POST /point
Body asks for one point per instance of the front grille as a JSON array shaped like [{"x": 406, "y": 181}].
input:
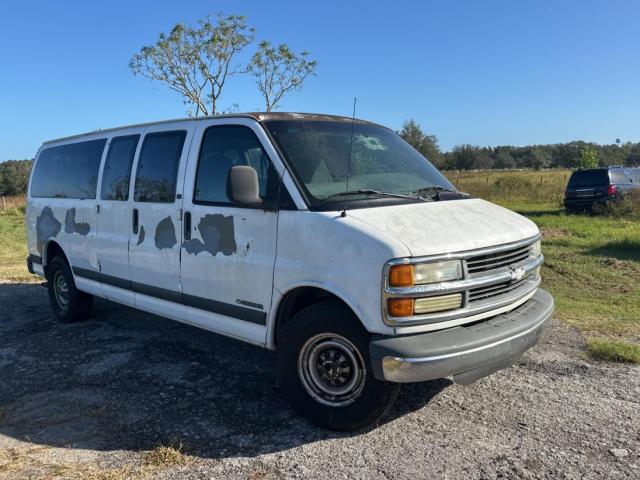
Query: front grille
[
  {"x": 496, "y": 289},
  {"x": 493, "y": 261}
]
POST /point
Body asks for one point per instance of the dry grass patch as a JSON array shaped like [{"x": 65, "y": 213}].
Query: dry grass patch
[{"x": 166, "y": 456}]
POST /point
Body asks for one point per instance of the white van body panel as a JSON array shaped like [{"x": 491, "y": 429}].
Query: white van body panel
[
  {"x": 436, "y": 228},
  {"x": 70, "y": 222},
  {"x": 154, "y": 252},
  {"x": 342, "y": 255},
  {"x": 232, "y": 280},
  {"x": 114, "y": 230}
]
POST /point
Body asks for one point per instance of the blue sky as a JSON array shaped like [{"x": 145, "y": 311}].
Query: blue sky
[{"x": 480, "y": 72}]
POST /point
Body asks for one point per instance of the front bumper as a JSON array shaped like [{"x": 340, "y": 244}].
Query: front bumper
[{"x": 465, "y": 353}]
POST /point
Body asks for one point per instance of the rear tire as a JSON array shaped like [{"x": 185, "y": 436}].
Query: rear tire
[
  {"x": 325, "y": 372},
  {"x": 68, "y": 303}
]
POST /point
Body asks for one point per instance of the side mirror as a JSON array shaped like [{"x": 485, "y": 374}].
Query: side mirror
[{"x": 243, "y": 185}]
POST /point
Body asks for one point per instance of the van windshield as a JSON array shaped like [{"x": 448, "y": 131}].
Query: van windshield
[{"x": 318, "y": 154}]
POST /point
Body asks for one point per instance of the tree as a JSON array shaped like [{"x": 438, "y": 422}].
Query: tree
[
  {"x": 463, "y": 157},
  {"x": 537, "y": 158},
  {"x": 427, "y": 145},
  {"x": 279, "y": 71},
  {"x": 196, "y": 61},
  {"x": 588, "y": 157},
  {"x": 504, "y": 159},
  {"x": 14, "y": 177}
]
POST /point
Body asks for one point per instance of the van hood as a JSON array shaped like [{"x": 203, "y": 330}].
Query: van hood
[{"x": 434, "y": 228}]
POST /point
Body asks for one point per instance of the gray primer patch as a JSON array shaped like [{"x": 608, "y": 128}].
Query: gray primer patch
[
  {"x": 141, "y": 235},
  {"x": 165, "y": 234},
  {"x": 70, "y": 225},
  {"x": 218, "y": 236},
  {"x": 46, "y": 227}
]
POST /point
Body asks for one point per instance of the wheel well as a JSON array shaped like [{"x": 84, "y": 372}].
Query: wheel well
[
  {"x": 53, "y": 250},
  {"x": 297, "y": 300}
]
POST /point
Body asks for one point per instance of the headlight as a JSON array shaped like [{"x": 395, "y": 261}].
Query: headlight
[
  {"x": 422, "y": 273},
  {"x": 536, "y": 248}
]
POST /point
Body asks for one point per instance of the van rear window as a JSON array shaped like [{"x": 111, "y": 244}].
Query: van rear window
[
  {"x": 589, "y": 178},
  {"x": 68, "y": 171}
]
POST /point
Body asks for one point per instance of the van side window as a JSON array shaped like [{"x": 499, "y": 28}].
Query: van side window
[
  {"x": 68, "y": 171},
  {"x": 158, "y": 167},
  {"x": 117, "y": 168},
  {"x": 223, "y": 147}
]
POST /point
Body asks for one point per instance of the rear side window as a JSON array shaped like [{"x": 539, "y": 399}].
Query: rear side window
[
  {"x": 589, "y": 178},
  {"x": 158, "y": 167},
  {"x": 621, "y": 177},
  {"x": 68, "y": 171},
  {"x": 223, "y": 147},
  {"x": 117, "y": 168}
]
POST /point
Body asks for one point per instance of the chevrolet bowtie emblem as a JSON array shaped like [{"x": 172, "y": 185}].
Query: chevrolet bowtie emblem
[{"x": 517, "y": 273}]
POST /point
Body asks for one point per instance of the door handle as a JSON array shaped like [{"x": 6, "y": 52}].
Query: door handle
[
  {"x": 134, "y": 220},
  {"x": 187, "y": 225}
]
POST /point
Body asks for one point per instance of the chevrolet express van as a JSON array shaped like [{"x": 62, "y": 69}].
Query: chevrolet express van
[{"x": 328, "y": 240}]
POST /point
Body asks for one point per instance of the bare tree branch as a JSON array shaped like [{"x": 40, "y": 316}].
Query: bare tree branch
[
  {"x": 279, "y": 71},
  {"x": 196, "y": 61}
]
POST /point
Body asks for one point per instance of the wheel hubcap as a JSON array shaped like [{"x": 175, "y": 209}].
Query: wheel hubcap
[
  {"x": 61, "y": 290},
  {"x": 331, "y": 369}
]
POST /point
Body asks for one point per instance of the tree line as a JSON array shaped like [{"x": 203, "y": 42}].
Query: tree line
[{"x": 576, "y": 154}]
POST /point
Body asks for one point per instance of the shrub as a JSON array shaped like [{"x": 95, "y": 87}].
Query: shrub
[{"x": 627, "y": 207}]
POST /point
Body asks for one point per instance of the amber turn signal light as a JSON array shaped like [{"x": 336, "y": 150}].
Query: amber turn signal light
[
  {"x": 401, "y": 276},
  {"x": 400, "y": 307}
]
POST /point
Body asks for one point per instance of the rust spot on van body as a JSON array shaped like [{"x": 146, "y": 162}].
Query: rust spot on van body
[
  {"x": 165, "y": 234},
  {"x": 71, "y": 226},
  {"x": 218, "y": 236},
  {"x": 46, "y": 227}
]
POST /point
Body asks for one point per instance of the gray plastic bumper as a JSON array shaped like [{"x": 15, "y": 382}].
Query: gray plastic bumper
[{"x": 465, "y": 353}]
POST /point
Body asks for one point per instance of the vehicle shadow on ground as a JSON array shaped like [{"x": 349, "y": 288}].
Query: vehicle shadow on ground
[
  {"x": 621, "y": 250},
  {"x": 126, "y": 380}
]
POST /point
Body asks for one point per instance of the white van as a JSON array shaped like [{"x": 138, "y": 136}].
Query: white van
[{"x": 330, "y": 241}]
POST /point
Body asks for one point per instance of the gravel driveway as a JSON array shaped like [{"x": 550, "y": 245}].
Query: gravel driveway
[{"x": 94, "y": 397}]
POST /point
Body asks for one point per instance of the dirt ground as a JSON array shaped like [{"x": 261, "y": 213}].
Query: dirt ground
[{"x": 97, "y": 399}]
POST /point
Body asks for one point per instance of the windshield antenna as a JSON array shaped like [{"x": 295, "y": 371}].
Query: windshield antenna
[{"x": 353, "y": 122}]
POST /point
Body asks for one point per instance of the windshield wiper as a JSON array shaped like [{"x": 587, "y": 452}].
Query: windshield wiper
[
  {"x": 370, "y": 192},
  {"x": 432, "y": 191}
]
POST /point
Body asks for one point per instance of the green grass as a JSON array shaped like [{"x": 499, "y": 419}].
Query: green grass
[
  {"x": 613, "y": 350},
  {"x": 13, "y": 247}
]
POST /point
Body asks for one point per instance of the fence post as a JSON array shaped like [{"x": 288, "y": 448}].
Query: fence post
[{"x": 3, "y": 204}]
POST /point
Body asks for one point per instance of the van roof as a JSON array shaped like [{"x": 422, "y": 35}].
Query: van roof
[{"x": 258, "y": 116}]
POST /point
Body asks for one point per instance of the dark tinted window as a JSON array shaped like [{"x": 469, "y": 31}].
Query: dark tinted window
[
  {"x": 620, "y": 177},
  {"x": 117, "y": 168},
  {"x": 68, "y": 171},
  {"x": 636, "y": 175},
  {"x": 158, "y": 167},
  {"x": 589, "y": 178},
  {"x": 226, "y": 146}
]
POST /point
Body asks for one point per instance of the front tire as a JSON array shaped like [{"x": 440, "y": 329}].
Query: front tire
[
  {"x": 68, "y": 303},
  {"x": 325, "y": 371}
]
